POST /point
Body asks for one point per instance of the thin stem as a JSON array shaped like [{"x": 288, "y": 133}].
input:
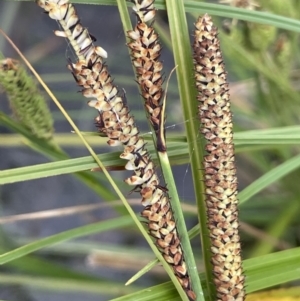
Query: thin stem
[{"x": 183, "y": 58}]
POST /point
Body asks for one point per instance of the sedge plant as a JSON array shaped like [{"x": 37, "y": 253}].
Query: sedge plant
[{"x": 212, "y": 162}]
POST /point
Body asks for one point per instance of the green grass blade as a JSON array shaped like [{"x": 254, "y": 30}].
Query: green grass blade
[
  {"x": 181, "y": 226},
  {"x": 183, "y": 59},
  {"x": 52, "y": 151},
  {"x": 67, "y": 285},
  {"x": 291, "y": 130},
  {"x": 178, "y": 155},
  {"x": 219, "y": 10},
  {"x": 277, "y": 228},
  {"x": 43, "y": 145},
  {"x": 124, "y": 15},
  {"x": 184, "y": 72},
  {"x": 243, "y": 14},
  {"x": 268, "y": 178},
  {"x": 261, "y": 273},
  {"x": 41, "y": 267},
  {"x": 55, "y": 168},
  {"x": 66, "y": 235},
  {"x": 162, "y": 292},
  {"x": 273, "y": 269}
]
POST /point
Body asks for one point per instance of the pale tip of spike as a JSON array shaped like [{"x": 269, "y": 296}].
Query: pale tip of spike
[
  {"x": 41, "y": 3},
  {"x": 101, "y": 52},
  {"x": 134, "y": 180},
  {"x": 127, "y": 156},
  {"x": 132, "y": 34},
  {"x": 149, "y": 15},
  {"x": 93, "y": 103},
  {"x": 60, "y": 33},
  {"x": 114, "y": 143},
  {"x": 130, "y": 166},
  {"x": 145, "y": 202}
]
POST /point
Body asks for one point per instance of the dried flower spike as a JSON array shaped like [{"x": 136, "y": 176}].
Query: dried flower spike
[
  {"x": 118, "y": 125},
  {"x": 219, "y": 163},
  {"x": 26, "y": 101}
]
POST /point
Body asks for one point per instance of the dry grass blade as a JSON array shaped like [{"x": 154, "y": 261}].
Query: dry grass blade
[{"x": 219, "y": 163}]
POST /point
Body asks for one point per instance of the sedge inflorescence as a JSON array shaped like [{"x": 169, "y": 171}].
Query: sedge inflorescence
[
  {"x": 145, "y": 51},
  {"x": 219, "y": 163},
  {"x": 26, "y": 101},
  {"x": 115, "y": 122}
]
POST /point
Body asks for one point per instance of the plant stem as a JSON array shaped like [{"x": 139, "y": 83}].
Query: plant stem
[{"x": 183, "y": 58}]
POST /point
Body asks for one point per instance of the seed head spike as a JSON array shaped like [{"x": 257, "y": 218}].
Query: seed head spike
[{"x": 219, "y": 166}]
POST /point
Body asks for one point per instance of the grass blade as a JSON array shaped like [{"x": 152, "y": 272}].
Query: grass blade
[
  {"x": 183, "y": 59},
  {"x": 261, "y": 272},
  {"x": 268, "y": 178},
  {"x": 66, "y": 235}
]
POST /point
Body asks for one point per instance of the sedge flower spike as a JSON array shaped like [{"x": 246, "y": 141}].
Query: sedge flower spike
[
  {"x": 219, "y": 163},
  {"x": 145, "y": 51},
  {"x": 26, "y": 101},
  {"x": 115, "y": 122}
]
